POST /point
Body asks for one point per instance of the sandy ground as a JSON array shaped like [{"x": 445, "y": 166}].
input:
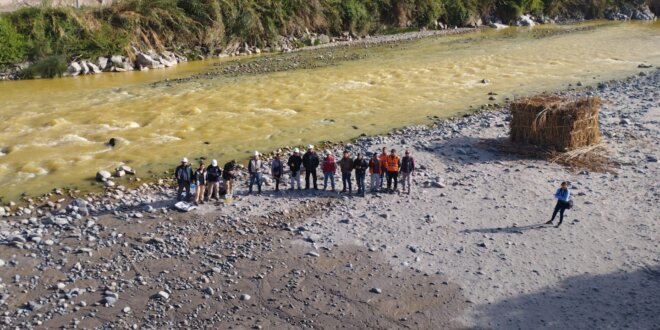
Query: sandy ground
[{"x": 473, "y": 254}]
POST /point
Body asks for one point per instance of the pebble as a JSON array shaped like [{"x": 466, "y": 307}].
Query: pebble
[
  {"x": 245, "y": 297},
  {"x": 376, "y": 290},
  {"x": 162, "y": 295}
]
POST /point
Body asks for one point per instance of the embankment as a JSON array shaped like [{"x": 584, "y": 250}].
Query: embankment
[{"x": 146, "y": 34}]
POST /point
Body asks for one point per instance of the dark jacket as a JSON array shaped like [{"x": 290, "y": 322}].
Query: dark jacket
[
  {"x": 213, "y": 173},
  {"x": 228, "y": 173},
  {"x": 311, "y": 160},
  {"x": 360, "y": 165},
  {"x": 200, "y": 177},
  {"x": 346, "y": 164},
  {"x": 407, "y": 164},
  {"x": 375, "y": 167},
  {"x": 277, "y": 168},
  {"x": 183, "y": 173},
  {"x": 294, "y": 163}
]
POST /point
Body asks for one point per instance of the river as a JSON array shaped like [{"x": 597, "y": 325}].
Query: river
[{"x": 54, "y": 132}]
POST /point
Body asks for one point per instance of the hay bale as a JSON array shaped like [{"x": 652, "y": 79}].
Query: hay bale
[{"x": 555, "y": 122}]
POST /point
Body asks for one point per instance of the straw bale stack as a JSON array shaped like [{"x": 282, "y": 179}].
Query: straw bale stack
[{"x": 555, "y": 122}]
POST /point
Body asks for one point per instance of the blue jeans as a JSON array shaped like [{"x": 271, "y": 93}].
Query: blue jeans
[
  {"x": 359, "y": 177},
  {"x": 255, "y": 178},
  {"x": 346, "y": 181},
  {"x": 328, "y": 176}
]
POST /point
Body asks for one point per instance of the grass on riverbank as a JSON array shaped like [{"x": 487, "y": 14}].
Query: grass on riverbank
[{"x": 203, "y": 26}]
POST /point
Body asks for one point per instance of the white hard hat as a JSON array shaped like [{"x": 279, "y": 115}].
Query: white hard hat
[
  {"x": 296, "y": 150},
  {"x": 214, "y": 162},
  {"x": 184, "y": 160},
  {"x": 328, "y": 152},
  {"x": 256, "y": 153},
  {"x": 310, "y": 146}
]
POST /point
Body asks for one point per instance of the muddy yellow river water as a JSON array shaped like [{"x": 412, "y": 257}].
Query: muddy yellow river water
[{"x": 53, "y": 132}]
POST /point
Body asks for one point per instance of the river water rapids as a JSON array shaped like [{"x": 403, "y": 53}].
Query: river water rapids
[{"x": 53, "y": 133}]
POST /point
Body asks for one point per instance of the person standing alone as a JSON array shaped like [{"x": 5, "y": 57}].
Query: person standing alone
[
  {"x": 393, "y": 163},
  {"x": 563, "y": 197},
  {"x": 407, "y": 171},
  {"x": 311, "y": 162},
  {"x": 184, "y": 175}
]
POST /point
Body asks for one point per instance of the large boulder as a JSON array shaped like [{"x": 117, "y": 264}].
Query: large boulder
[
  {"x": 117, "y": 60},
  {"x": 525, "y": 20},
  {"x": 93, "y": 69},
  {"x": 103, "y": 63},
  {"x": 643, "y": 13},
  {"x": 74, "y": 69},
  {"x": 498, "y": 25},
  {"x": 323, "y": 39},
  {"x": 147, "y": 61},
  {"x": 127, "y": 65},
  {"x": 85, "y": 68},
  {"x": 103, "y": 176}
]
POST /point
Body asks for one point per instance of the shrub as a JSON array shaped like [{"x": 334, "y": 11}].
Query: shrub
[
  {"x": 355, "y": 17},
  {"x": 49, "y": 67},
  {"x": 457, "y": 13},
  {"x": 12, "y": 44},
  {"x": 427, "y": 12}
]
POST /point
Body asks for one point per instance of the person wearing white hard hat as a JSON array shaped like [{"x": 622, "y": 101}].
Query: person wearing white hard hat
[
  {"x": 213, "y": 175},
  {"x": 200, "y": 181},
  {"x": 294, "y": 163},
  {"x": 255, "y": 169},
  {"x": 311, "y": 162},
  {"x": 184, "y": 176}
]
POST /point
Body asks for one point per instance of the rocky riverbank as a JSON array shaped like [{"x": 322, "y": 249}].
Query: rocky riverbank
[
  {"x": 466, "y": 249},
  {"x": 149, "y": 59}
]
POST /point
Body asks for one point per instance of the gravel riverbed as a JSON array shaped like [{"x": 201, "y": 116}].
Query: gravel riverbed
[{"x": 466, "y": 250}]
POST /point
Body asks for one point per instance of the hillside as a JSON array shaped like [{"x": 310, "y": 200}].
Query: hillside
[{"x": 48, "y": 38}]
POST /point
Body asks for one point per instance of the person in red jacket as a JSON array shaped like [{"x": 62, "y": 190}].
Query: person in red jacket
[
  {"x": 329, "y": 168},
  {"x": 376, "y": 171}
]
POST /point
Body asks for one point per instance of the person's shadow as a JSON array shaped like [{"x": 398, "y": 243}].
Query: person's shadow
[{"x": 507, "y": 230}]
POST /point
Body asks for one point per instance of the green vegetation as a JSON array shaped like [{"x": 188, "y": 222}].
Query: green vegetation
[
  {"x": 48, "y": 67},
  {"x": 12, "y": 45},
  {"x": 42, "y": 34}
]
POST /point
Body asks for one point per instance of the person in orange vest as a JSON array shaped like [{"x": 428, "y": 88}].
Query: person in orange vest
[
  {"x": 383, "y": 164},
  {"x": 392, "y": 163}
]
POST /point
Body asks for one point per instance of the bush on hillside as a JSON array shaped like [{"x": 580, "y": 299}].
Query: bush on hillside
[
  {"x": 49, "y": 67},
  {"x": 12, "y": 44}
]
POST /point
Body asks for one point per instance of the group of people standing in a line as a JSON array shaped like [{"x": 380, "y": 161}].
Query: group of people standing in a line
[{"x": 381, "y": 167}]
